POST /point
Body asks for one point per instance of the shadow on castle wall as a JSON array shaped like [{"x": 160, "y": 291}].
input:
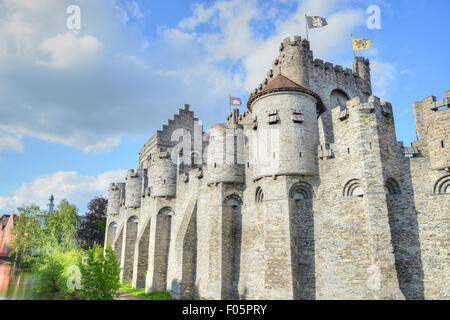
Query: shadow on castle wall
[
  {"x": 405, "y": 240},
  {"x": 303, "y": 249}
]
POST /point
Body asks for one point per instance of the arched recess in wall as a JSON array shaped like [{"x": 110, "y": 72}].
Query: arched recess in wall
[
  {"x": 112, "y": 230},
  {"x": 335, "y": 97},
  {"x": 142, "y": 248},
  {"x": 442, "y": 185},
  {"x": 118, "y": 243},
  {"x": 338, "y": 98},
  {"x": 301, "y": 195},
  {"x": 130, "y": 243},
  {"x": 259, "y": 195},
  {"x": 189, "y": 258},
  {"x": 162, "y": 245},
  {"x": 392, "y": 187},
  {"x": 231, "y": 246},
  {"x": 353, "y": 189}
]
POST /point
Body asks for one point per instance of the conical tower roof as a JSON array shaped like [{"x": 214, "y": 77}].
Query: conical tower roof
[{"x": 282, "y": 83}]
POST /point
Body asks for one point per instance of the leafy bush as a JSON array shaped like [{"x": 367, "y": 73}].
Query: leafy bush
[
  {"x": 28, "y": 261},
  {"x": 100, "y": 274},
  {"x": 50, "y": 271},
  {"x": 12, "y": 255}
]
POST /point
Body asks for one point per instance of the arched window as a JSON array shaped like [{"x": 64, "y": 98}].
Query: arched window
[
  {"x": 259, "y": 196},
  {"x": 166, "y": 211},
  {"x": 353, "y": 189},
  {"x": 392, "y": 187},
  {"x": 301, "y": 191},
  {"x": 133, "y": 219},
  {"x": 442, "y": 186},
  {"x": 232, "y": 200}
]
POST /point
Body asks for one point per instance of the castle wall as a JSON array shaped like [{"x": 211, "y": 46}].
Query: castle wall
[
  {"x": 342, "y": 214},
  {"x": 430, "y": 211}
]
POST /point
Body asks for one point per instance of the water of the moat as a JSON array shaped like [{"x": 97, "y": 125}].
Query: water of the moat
[{"x": 16, "y": 284}]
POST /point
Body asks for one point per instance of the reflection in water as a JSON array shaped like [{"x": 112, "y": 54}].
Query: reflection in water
[{"x": 16, "y": 284}]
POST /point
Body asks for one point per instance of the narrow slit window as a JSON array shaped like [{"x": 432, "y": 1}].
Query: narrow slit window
[
  {"x": 442, "y": 144},
  {"x": 348, "y": 150}
]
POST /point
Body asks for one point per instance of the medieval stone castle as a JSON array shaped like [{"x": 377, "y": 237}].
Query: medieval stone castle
[{"x": 306, "y": 195}]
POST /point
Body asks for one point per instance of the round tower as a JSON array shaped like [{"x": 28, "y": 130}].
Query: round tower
[
  {"x": 285, "y": 134},
  {"x": 361, "y": 66},
  {"x": 115, "y": 194},
  {"x": 163, "y": 176},
  {"x": 225, "y": 158},
  {"x": 295, "y": 60},
  {"x": 133, "y": 189}
]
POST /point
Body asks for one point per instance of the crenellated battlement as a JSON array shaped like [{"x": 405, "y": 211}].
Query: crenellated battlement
[
  {"x": 432, "y": 119},
  {"x": 374, "y": 105},
  {"x": 296, "y": 62}
]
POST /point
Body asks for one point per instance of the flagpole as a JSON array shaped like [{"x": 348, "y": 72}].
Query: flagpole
[
  {"x": 306, "y": 25},
  {"x": 354, "y": 53}
]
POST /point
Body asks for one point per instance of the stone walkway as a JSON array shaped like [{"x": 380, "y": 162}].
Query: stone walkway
[{"x": 128, "y": 296}]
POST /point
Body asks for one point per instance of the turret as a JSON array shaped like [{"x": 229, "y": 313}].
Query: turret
[
  {"x": 133, "y": 188},
  {"x": 226, "y": 153},
  {"x": 285, "y": 130},
  {"x": 433, "y": 129},
  {"x": 116, "y": 192},
  {"x": 163, "y": 175},
  {"x": 361, "y": 66},
  {"x": 295, "y": 60}
]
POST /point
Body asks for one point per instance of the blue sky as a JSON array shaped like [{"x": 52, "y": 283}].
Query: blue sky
[{"x": 77, "y": 106}]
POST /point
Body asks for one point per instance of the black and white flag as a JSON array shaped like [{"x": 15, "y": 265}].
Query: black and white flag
[{"x": 316, "y": 22}]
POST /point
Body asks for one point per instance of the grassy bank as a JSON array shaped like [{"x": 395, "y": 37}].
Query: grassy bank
[{"x": 142, "y": 294}]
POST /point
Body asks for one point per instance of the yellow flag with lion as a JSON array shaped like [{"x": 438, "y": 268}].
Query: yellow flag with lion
[{"x": 361, "y": 44}]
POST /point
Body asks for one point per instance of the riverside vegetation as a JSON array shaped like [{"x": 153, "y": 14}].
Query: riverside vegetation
[{"x": 60, "y": 257}]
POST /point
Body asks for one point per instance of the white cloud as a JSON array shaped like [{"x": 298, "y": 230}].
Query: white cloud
[
  {"x": 384, "y": 78},
  {"x": 70, "y": 185},
  {"x": 405, "y": 72},
  {"x": 67, "y": 50},
  {"x": 11, "y": 142},
  {"x": 86, "y": 90}
]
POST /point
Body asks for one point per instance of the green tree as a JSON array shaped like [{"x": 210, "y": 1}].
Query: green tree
[
  {"x": 61, "y": 227},
  {"x": 50, "y": 271},
  {"x": 27, "y": 231},
  {"x": 57, "y": 247},
  {"x": 100, "y": 274},
  {"x": 92, "y": 230}
]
